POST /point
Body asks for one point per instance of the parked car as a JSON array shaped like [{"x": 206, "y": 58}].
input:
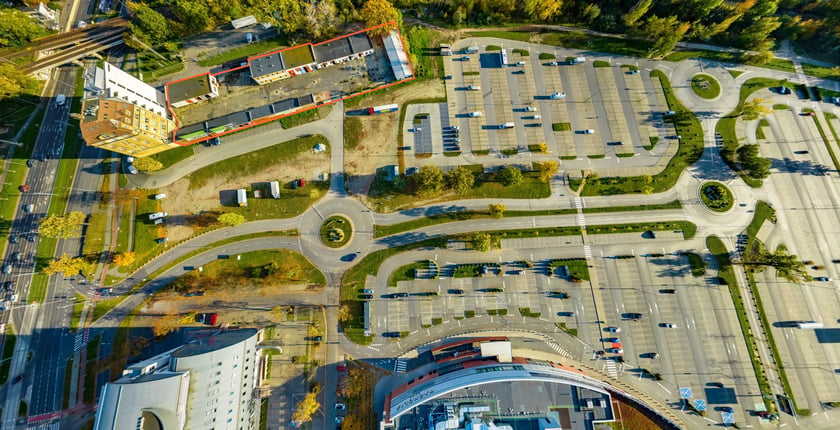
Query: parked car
[
  {"x": 456, "y": 291},
  {"x": 367, "y": 291},
  {"x": 465, "y": 58},
  {"x": 634, "y": 72},
  {"x": 633, "y": 316},
  {"x": 367, "y": 296},
  {"x": 667, "y": 325},
  {"x": 614, "y": 350},
  {"x": 651, "y": 355},
  {"x": 589, "y": 131},
  {"x": 822, "y": 279},
  {"x": 612, "y": 340},
  {"x": 612, "y": 329}
]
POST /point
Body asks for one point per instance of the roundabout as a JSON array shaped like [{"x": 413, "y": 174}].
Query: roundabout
[
  {"x": 705, "y": 86},
  {"x": 716, "y": 196},
  {"x": 336, "y": 232}
]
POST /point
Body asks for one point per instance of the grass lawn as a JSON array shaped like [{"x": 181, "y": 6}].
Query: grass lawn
[
  {"x": 561, "y": 126},
  {"x": 354, "y": 132},
  {"x": 547, "y": 56},
  {"x": 10, "y": 193},
  {"x": 264, "y": 268},
  {"x": 152, "y": 67},
  {"x": 172, "y": 156},
  {"x": 8, "y": 351},
  {"x": 716, "y": 196},
  {"x": 336, "y": 231},
  {"x": 406, "y": 273},
  {"x": 493, "y": 48},
  {"x": 243, "y": 51},
  {"x": 687, "y": 228},
  {"x": 696, "y": 263},
  {"x": 575, "y": 39},
  {"x": 304, "y": 117},
  {"x": 821, "y": 72},
  {"x": 705, "y": 86},
  {"x": 729, "y": 57},
  {"x": 78, "y": 305},
  {"x": 827, "y": 143},
  {"x": 601, "y": 63},
  {"x": 522, "y": 52},
  {"x": 726, "y": 126},
  {"x": 15, "y": 111},
  {"x": 734, "y": 73},
  {"x": 578, "y": 268},
  {"x": 257, "y": 160},
  {"x": 690, "y": 150}
]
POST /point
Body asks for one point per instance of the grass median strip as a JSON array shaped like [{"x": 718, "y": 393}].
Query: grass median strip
[
  {"x": 389, "y": 229},
  {"x": 826, "y": 141}
]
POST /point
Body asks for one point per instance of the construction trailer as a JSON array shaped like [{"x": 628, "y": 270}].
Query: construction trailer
[{"x": 242, "y": 197}]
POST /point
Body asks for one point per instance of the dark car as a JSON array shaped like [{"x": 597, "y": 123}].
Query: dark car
[
  {"x": 366, "y": 296},
  {"x": 633, "y": 316},
  {"x": 400, "y": 294},
  {"x": 800, "y": 152},
  {"x": 18, "y": 378},
  {"x": 14, "y": 239},
  {"x": 316, "y": 338},
  {"x": 350, "y": 257},
  {"x": 8, "y": 285},
  {"x": 29, "y": 163},
  {"x": 456, "y": 291}
]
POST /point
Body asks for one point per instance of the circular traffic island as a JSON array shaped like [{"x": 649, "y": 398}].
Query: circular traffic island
[
  {"x": 716, "y": 196},
  {"x": 336, "y": 231},
  {"x": 705, "y": 86}
]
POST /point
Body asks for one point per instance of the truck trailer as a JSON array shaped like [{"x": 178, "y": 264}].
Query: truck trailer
[
  {"x": 275, "y": 189},
  {"x": 383, "y": 109},
  {"x": 242, "y": 197}
]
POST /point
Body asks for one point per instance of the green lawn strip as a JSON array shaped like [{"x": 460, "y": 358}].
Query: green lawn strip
[
  {"x": 522, "y": 52},
  {"x": 387, "y": 230},
  {"x": 68, "y": 376},
  {"x": 759, "y": 131},
  {"x": 103, "y": 306},
  {"x": 172, "y": 156},
  {"x": 705, "y": 86},
  {"x": 780, "y": 106},
  {"x": 763, "y": 211},
  {"x": 561, "y": 126},
  {"x": 821, "y": 72},
  {"x": 145, "y": 232},
  {"x": 725, "y": 272},
  {"x": 89, "y": 393},
  {"x": 151, "y": 67},
  {"x": 94, "y": 241},
  {"x": 493, "y": 48},
  {"x": 689, "y": 151},
  {"x": 828, "y": 117},
  {"x": 8, "y": 352},
  {"x": 78, "y": 305},
  {"x": 698, "y": 266},
  {"x": 687, "y": 228},
  {"x": 726, "y": 126},
  {"x": 735, "y": 73},
  {"x": 578, "y": 267},
  {"x": 653, "y": 141},
  {"x": 243, "y": 51},
  {"x": 526, "y": 312},
  {"x": 304, "y": 117},
  {"x": 547, "y": 56},
  {"x": 124, "y": 241},
  {"x": 729, "y": 57},
  {"x": 827, "y": 142},
  {"x": 15, "y": 111},
  {"x": 601, "y": 63},
  {"x": 353, "y": 132},
  {"x": 406, "y": 273}
]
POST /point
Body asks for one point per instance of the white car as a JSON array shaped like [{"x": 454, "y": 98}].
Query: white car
[
  {"x": 160, "y": 196},
  {"x": 530, "y": 109},
  {"x": 556, "y": 96},
  {"x": 613, "y": 329},
  {"x": 589, "y": 131},
  {"x": 474, "y": 114},
  {"x": 340, "y": 406}
]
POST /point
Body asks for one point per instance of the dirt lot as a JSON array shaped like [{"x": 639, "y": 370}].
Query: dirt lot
[
  {"x": 379, "y": 147},
  {"x": 183, "y": 200}
]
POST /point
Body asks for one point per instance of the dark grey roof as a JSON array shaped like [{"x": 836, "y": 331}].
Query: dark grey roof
[
  {"x": 189, "y": 88},
  {"x": 360, "y": 42},
  {"x": 284, "y": 105},
  {"x": 332, "y": 50},
  {"x": 183, "y": 131},
  {"x": 266, "y": 64}
]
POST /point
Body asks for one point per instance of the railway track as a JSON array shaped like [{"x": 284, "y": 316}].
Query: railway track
[
  {"x": 100, "y": 31},
  {"x": 78, "y": 51}
]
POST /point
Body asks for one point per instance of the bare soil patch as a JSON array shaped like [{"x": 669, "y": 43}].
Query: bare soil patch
[{"x": 379, "y": 146}]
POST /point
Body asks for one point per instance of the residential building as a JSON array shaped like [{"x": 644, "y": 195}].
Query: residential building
[
  {"x": 209, "y": 383},
  {"x": 111, "y": 82},
  {"x": 192, "y": 90}
]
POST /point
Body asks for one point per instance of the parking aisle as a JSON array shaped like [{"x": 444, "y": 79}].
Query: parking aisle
[
  {"x": 579, "y": 99},
  {"x": 558, "y": 112},
  {"x": 638, "y": 97},
  {"x": 614, "y": 110},
  {"x": 529, "y": 131},
  {"x": 474, "y": 102},
  {"x": 499, "y": 109}
]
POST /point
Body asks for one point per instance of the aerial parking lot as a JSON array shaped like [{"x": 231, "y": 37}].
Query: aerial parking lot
[{"x": 590, "y": 110}]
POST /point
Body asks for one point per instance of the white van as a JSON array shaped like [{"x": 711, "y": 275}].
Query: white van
[{"x": 520, "y": 63}]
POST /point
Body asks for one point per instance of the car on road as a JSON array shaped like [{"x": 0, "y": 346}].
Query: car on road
[
  {"x": 7, "y": 269},
  {"x": 24, "y": 188},
  {"x": 350, "y": 257},
  {"x": 784, "y": 90},
  {"x": 133, "y": 170},
  {"x": 667, "y": 325},
  {"x": 612, "y": 329},
  {"x": 340, "y": 406},
  {"x": 14, "y": 238},
  {"x": 8, "y": 285},
  {"x": 614, "y": 350},
  {"x": 589, "y": 131},
  {"x": 822, "y": 279},
  {"x": 650, "y": 355},
  {"x": 456, "y": 291},
  {"x": 29, "y": 208},
  {"x": 160, "y": 196},
  {"x": 30, "y": 163},
  {"x": 15, "y": 256},
  {"x": 633, "y": 316},
  {"x": 565, "y": 314},
  {"x": 668, "y": 291},
  {"x": 800, "y": 152},
  {"x": 367, "y": 291},
  {"x": 18, "y": 378},
  {"x": 634, "y": 72}
]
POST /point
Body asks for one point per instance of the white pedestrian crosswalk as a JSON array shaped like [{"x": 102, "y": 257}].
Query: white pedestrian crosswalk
[
  {"x": 587, "y": 251},
  {"x": 611, "y": 368},
  {"x": 558, "y": 349},
  {"x": 79, "y": 341},
  {"x": 578, "y": 203},
  {"x": 400, "y": 365}
]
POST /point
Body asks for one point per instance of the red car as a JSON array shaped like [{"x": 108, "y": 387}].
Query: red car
[{"x": 24, "y": 188}]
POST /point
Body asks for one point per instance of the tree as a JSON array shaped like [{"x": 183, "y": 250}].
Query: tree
[
  {"x": 376, "y": 12},
  {"x": 429, "y": 181},
  {"x": 61, "y": 226},
  {"x": 548, "y": 169},
  {"x": 636, "y": 12},
  {"x": 753, "y": 163},
  {"x": 344, "y": 313},
  {"x": 231, "y": 219},
  {"x": 756, "y": 36},
  {"x": 757, "y": 57},
  {"x": 290, "y": 15},
  {"x": 542, "y": 10},
  {"x": 13, "y": 81},
  {"x": 590, "y": 13},
  {"x": 149, "y": 25},
  {"x": 481, "y": 242},
  {"x": 321, "y": 19},
  {"x": 509, "y": 175},
  {"x": 755, "y": 109},
  {"x": 147, "y": 164},
  {"x": 306, "y": 408},
  {"x": 665, "y": 33},
  {"x": 123, "y": 259},
  {"x": 193, "y": 15},
  {"x": 497, "y": 210},
  {"x": 66, "y": 265},
  {"x": 17, "y": 28},
  {"x": 461, "y": 179}
]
